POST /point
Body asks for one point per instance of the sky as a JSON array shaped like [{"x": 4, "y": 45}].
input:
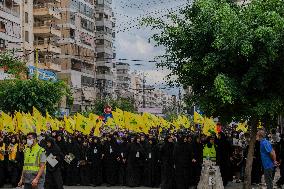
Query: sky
[{"x": 133, "y": 42}]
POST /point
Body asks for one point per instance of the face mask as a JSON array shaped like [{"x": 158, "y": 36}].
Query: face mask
[{"x": 30, "y": 142}]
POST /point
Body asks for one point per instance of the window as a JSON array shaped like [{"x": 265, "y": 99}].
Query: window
[
  {"x": 72, "y": 33},
  {"x": 2, "y": 43},
  {"x": 87, "y": 80},
  {"x": 2, "y": 27},
  {"x": 100, "y": 28},
  {"x": 26, "y": 36},
  {"x": 100, "y": 2},
  {"x": 72, "y": 17},
  {"x": 26, "y": 17}
]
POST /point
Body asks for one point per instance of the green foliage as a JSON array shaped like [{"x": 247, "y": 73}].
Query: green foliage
[
  {"x": 23, "y": 95},
  {"x": 12, "y": 65},
  {"x": 232, "y": 56},
  {"x": 125, "y": 104}
]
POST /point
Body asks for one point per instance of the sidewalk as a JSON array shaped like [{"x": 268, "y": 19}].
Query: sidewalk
[{"x": 261, "y": 186}]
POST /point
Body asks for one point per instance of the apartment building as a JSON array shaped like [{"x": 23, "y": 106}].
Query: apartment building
[
  {"x": 78, "y": 50},
  {"x": 147, "y": 96},
  {"x": 123, "y": 80},
  {"x": 105, "y": 35},
  {"x": 10, "y": 26}
]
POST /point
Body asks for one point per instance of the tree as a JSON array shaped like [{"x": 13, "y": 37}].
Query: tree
[
  {"x": 23, "y": 95},
  {"x": 125, "y": 104},
  {"x": 12, "y": 65},
  {"x": 232, "y": 58}
]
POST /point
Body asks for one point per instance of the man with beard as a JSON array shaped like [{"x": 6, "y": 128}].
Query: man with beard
[
  {"x": 95, "y": 155},
  {"x": 111, "y": 158},
  {"x": 53, "y": 178},
  {"x": 135, "y": 159},
  {"x": 167, "y": 160},
  {"x": 182, "y": 162}
]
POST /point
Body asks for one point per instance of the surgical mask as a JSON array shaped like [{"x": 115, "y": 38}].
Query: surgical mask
[{"x": 30, "y": 142}]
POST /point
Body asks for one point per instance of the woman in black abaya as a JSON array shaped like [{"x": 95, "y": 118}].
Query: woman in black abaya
[
  {"x": 167, "y": 161},
  {"x": 182, "y": 162},
  {"x": 135, "y": 159}
]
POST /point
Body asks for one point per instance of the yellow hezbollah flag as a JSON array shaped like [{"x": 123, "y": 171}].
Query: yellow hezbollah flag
[
  {"x": 51, "y": 122},
  {"x": 27, "y": 123},
  {"x": 99, "y": 124},
  {"x": 198, "y": 118},
  {"x": 8, "y": 123},
  {"x": 242, "y": 127}
]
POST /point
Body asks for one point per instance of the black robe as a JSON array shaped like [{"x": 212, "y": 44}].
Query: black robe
[
  {"x": 152, "y": 170},
  {"x": 53, "y": 178},
  {"x": 95, "y": 157},
  {"x": 182, "y": 160},
  {"x": 135, "y": 164},
  {"x": 123, "y": 151},
  {"x": 197, "y": 166},
  {"x": 110, "y": 162},
  {"x": 72, "y": 171},
  {"x": 167, "y": 167},
  {"x": 224, "y": 153},
  {"x": 84, "y": 166}
]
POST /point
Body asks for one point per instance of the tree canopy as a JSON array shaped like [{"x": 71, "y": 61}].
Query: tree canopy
[
  {"x": 231, "y": 56},
  {"x": 125, "y": 104},
  {"x": 23, "y": 95}
]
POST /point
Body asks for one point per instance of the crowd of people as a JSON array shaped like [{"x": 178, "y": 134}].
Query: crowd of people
[{"x": 170, "y": 160}]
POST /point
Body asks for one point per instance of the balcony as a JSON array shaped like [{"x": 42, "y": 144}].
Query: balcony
[
  {"x": 50, "y": 64},
  {"x": 44, "y": 46},
  {"x": 46, "y": 30},
  {"x": 46, "y": 12},
  {"x": 53, "y": 66},
  {"x": 106, "y": 76}
]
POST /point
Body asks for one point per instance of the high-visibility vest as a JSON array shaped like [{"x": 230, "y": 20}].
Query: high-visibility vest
[
  {"x": 32, "y": 158},
  {"x": 2, "y": 152},
  {"x": 209, "y": 152},
  {"x": 13, "y": 152}
]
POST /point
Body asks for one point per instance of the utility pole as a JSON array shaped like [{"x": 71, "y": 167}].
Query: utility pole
[
  {"x": 36, "y": 63},
  {"x": 143, "y": 91}
]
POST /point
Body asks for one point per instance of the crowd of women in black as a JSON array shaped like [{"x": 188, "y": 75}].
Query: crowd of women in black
[{"x": 169, "y": 161}]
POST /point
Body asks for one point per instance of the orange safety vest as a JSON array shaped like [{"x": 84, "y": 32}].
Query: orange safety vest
[
  {"x": 13, "y": 152},
  {"x": 2, "y": 152}
]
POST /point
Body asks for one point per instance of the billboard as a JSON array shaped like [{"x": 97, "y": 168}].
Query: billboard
[{"x": 42, "y": 74}]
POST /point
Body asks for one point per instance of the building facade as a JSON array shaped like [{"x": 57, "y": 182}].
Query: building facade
[
  {"x": 105, "y": 35},
  {"x": 10, "y": 26},
  {"x": 123, "y": 80},
  {"x": 78, "y": 50}
]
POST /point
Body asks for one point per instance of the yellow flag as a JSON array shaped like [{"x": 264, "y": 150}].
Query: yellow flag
[
  {"x": 99, "y": 124},
  {"x": 68, "y": 125},
  {"x": 8, "y": 123},
  {"x": 27, "y": 123},
  {"x": 209, "y": 126},
  {"x": 118, "y": 117},
  {"x": 39, "y": 121},
  {"x": 51, "y": 122},
  {"x": 198, "y": 118},
  {"x": 242, "y": 127}
]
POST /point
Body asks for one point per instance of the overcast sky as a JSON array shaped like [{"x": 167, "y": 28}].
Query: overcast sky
[{"x": 132, "y": 42}]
